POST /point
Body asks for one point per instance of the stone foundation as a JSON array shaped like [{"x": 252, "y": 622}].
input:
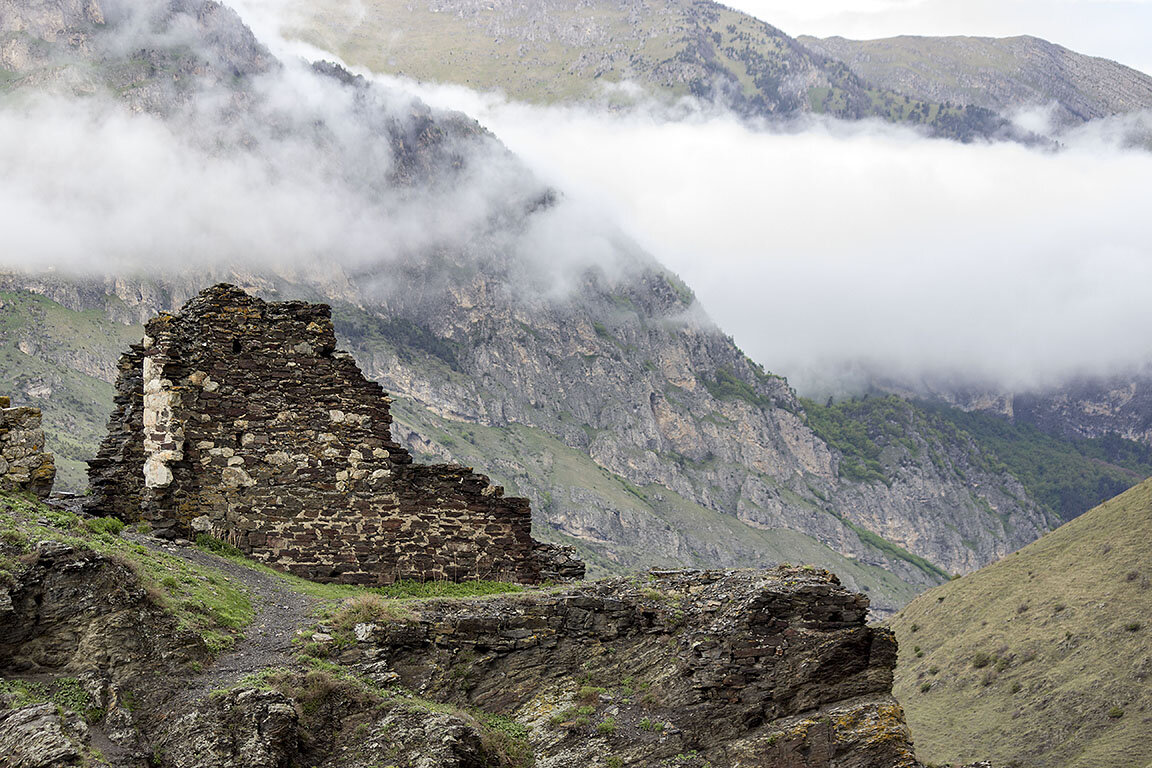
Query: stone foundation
[
  {"x": 238, "y": 418},
  {"x": 23, "y": 464}
]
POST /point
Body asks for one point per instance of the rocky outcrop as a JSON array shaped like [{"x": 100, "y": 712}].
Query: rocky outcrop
[
  {"x": 40, "y": 736},
  {"x": 24, "y": 466},
  {"x": 683, "y": 669},
  {"x": 78, "y": 613},
  {"x": 239, "y": 419},
  {"x": 734, "y": 668}
]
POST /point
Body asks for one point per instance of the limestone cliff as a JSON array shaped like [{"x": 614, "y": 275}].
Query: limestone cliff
[{"x": 675, "y": 448}]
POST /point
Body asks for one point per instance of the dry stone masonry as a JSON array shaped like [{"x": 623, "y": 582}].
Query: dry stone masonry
[
  {"x": 239, "y": 418},
  {"x": 24, "y": 466}
]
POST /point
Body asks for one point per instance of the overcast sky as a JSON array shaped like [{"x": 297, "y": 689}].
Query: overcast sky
[{"x": 1115, "y": 29}]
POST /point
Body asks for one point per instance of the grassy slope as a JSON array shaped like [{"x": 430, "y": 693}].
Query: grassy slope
[
  {"x": 1042, "y": 659},
  {"x": 558, "y": 51},
  {"x": 46, "y": 376},
  {"x": 206, "y": 602},
  {"x": 997, "y": 73}
]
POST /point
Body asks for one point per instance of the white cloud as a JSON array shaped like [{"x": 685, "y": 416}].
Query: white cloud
[{"x": 835, "y": 243}]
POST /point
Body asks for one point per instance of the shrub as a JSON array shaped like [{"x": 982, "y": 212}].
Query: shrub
[
  {"x": 925, "y": 687},
  {"x": 1132, "y": 626},
  {"x": 647, "y": 724},
  {"x": 606, "y": 726},
  {"x": 216, "y": 546},
  {"x": 981, "y": 660},
  {"x": 365, "y": 609},
  {"x": 590, "y": 693},
  {"x": 1116, "y": 713},
  {"x": 109, "y": 525}
]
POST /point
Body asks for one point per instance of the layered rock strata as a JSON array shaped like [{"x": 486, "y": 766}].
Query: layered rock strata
[
  {"x": 733, "y": 668},
  {"x": 678, "y": 669},
  {"x": 239, "y": 418},
  {"x": 24, "y": 466}
]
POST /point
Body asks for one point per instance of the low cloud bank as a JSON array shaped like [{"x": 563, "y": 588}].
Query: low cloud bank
[
  {"x": 831, "y": 249},
  {"x": 822, "y": 246}
]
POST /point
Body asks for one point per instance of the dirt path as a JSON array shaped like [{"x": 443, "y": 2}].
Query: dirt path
[{"x": 267, "y": 642}]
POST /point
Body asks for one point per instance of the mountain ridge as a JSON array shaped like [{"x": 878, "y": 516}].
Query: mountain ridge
[{"x": 1001, "y": 74}]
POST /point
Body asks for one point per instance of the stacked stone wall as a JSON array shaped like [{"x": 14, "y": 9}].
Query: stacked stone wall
[
  {"x": 24, "y": 466},
  {"x": 238, "y": 418}
]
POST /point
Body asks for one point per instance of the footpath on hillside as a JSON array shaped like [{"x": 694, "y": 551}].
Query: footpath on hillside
[{"x": 280, "y": 612}]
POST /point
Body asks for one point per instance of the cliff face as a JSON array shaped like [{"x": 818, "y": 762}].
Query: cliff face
[
  {"x": 1092, "y": 407},
  {"x": 603, "y": 357},
  {"x": 633, "y": 374},
  {"x": 684, "y": 669}
]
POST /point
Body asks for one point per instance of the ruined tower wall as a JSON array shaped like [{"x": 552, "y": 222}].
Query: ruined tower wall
[
  {"x": 251, "y": 427},
  {"x": 24, "y": 466}
]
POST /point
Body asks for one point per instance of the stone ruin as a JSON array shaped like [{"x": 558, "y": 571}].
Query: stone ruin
[
  {"x": 23, "y": 464},
  {"x": 239, "y": 418}
]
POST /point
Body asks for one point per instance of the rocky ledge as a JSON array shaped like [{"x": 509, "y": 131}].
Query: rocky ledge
[
  {"x": 684, "y": 669},
  {"x": 715, "y": 668}
]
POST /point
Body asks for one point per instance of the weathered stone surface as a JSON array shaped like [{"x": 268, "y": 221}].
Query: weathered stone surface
[
  {"x": 245, "y": 727},
  {"x": 40, "y": 737},
  {"x": 74, "y": 612},
  {"x": 738, "y": 668},
  {"x": 239, "y": 418},
  {"x": 24, "y": 466}
]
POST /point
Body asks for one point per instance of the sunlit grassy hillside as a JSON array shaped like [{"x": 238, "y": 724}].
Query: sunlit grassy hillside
[{"x": 1044, "y": 658}]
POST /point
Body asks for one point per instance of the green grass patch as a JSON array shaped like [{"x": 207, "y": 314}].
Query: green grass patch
[
  {"x": 207, "y": 602},
  {"x": 64, "y": 692}
]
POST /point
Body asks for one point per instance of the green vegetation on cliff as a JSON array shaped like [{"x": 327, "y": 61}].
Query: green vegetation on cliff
[
  {"x": 1041, "y": 660},
  {"x": 1069, "y": 476},
  {"x": 207, "y": 602}
]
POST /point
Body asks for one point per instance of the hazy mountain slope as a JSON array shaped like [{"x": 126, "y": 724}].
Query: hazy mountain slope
[
  {"x": 1091, "y": 407},
  {"x": 1001, "y": 74},
  {"x": 632, "y": 375},
  {"x": 61, "y": 362},
  {"x": 483, "y": 301},
  {"x": 1042, "y": 659},
  {"x": 580, "y": 49}
]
